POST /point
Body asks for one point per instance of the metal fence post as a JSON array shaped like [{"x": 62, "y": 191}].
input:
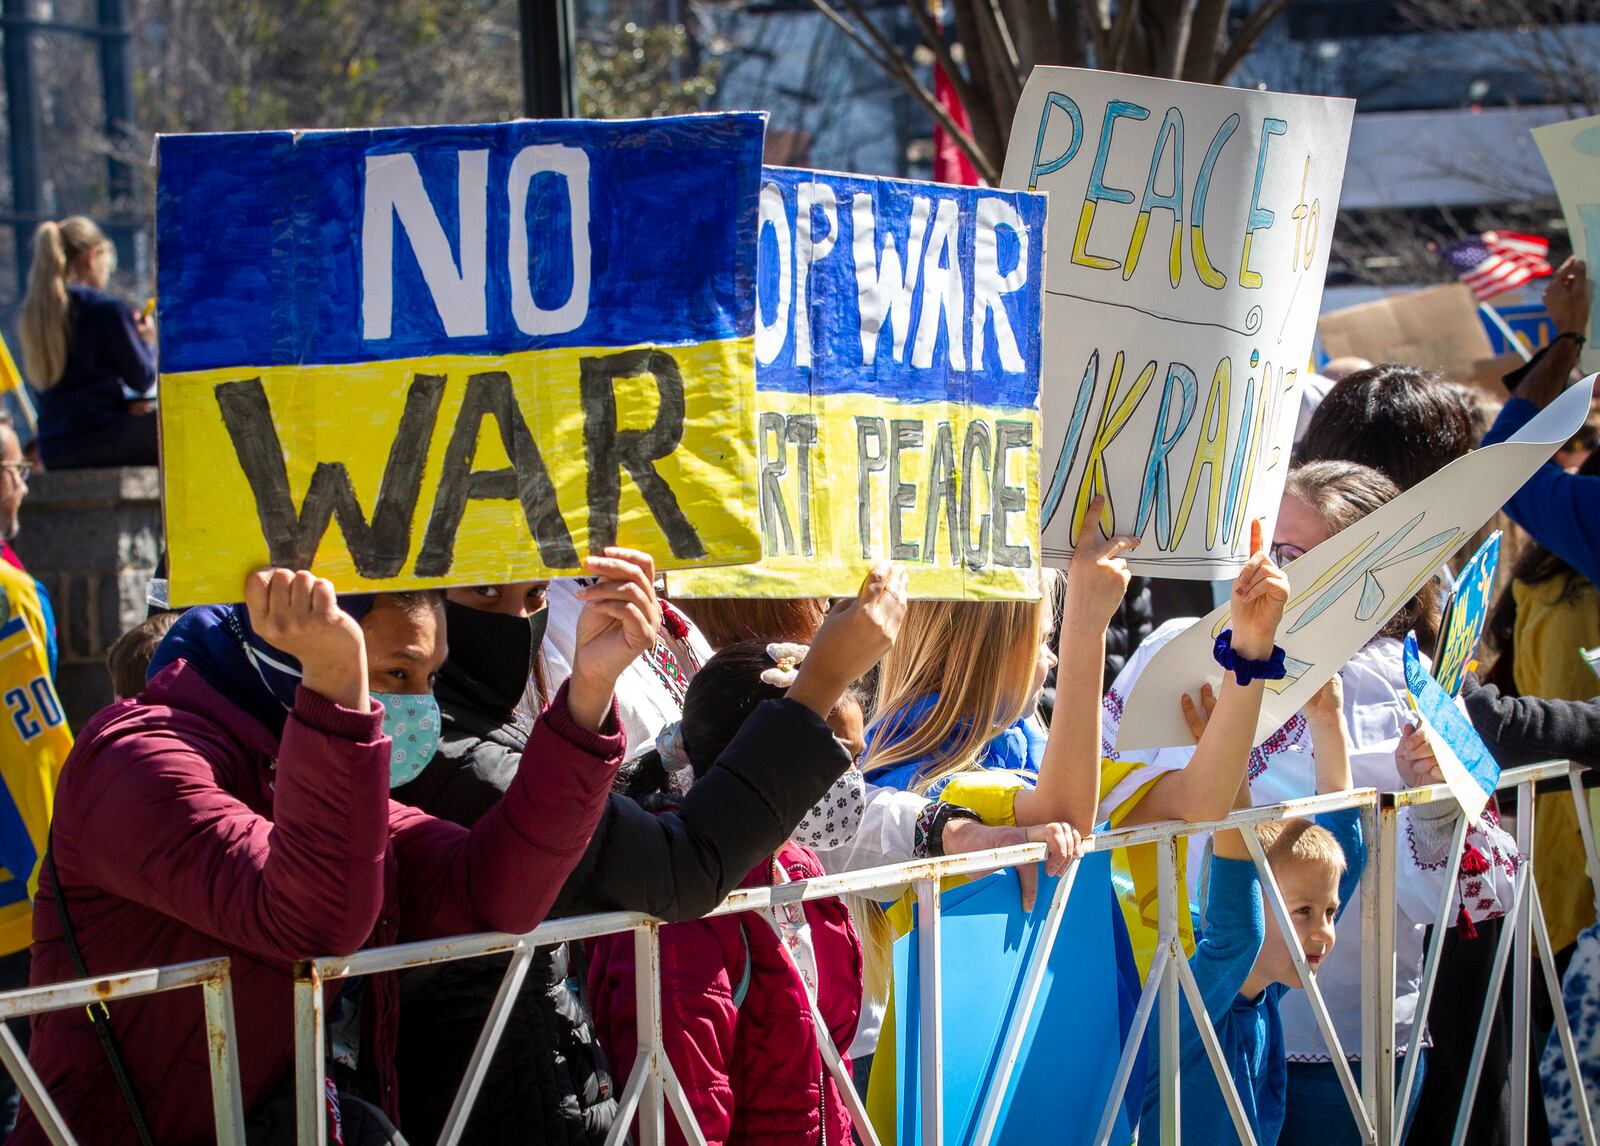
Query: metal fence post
[
  {"x": 1377, "y": 1073},
  {"x": 310, "y": 1067},
  {"x": 647, "y": 989},
  {"x": 1522, "y": 971},
  {"x": 1167, "y": 905},
  {"x": 930, "y": 965},
  {"x": 222, "y": 1045}
]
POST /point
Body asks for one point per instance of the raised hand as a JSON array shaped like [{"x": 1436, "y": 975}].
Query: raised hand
[
  {"x": 853, "y": 637},
  {"x": 1198, "y": 714},
  {"x": 300, "y": 614},
  {"x": 620, "y": 620},
  {"x": 1414, "y": 759},
  {"x": 1260, "y": 592},
  {"x": 1098, "y": 575},
  {"x": 1327, "y": 704},
  {"x": 1061, "y": 847},
  {"x": 1566, "y": 297}
]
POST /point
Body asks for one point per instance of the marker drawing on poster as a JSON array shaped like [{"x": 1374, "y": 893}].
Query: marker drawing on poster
[
  {"x": 1346, "y": 589},
  {"x": 1468, "y": 767},
  {"x": 457, "y": 355},
  {"x": 1571, "y": 151},
  {"x": 1465, "y": 616},
  {"x": 897, "y": 388},
  {"x": 1190, "y": 228}
]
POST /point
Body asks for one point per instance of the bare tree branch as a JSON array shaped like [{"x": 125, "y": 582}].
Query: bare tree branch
[
  {"x": 1244, "y": 39},
  {"x": 1097, "y": 32},
  {"x": 895, "y": 66},
  {"x": 1205, "y": 38}
]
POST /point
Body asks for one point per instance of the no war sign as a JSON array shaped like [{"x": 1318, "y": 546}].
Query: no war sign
[
  {"x": 457, "y": 355},
  {"x": 897, "y": 373}
]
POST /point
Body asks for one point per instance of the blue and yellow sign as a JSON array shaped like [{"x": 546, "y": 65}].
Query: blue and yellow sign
[
  {"x": 897, "y": 356},
  {"x": 457, "y": 355},
  {"x": 1466, "y": 615}
]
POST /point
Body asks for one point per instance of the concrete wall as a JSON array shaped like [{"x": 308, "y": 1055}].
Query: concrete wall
[{"x": 93, "y": 538}]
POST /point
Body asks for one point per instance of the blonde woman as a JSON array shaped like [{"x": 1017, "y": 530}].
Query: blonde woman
[{"x": 91, "y": 358}]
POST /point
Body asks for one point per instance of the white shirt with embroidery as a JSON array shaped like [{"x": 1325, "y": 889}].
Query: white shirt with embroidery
[
  {"x": 1282, "y": 768},
  {"x": 649, "y": 696}
]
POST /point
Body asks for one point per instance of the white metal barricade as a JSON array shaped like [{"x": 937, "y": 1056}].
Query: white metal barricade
[
  {"x": 210, "y": 975},
  {"x": 653, "y": 1088}
]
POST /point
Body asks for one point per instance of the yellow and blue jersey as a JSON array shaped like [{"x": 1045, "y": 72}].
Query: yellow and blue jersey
[{"x": 34, "y": 742}]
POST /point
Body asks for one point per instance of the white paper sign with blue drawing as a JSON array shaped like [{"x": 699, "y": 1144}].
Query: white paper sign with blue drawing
[
  {"x": 1188, "y": 239},
  {"x": 1347, "y": 588},
  {"x": 1571, "y": 151}
]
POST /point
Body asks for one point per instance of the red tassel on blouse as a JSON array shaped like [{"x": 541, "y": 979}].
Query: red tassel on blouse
[
  {"x": 1473, "y": 861},
  {"x": 1465, "y": 927}
]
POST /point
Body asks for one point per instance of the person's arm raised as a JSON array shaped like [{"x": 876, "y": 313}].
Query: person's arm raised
[
  {"x": 1567, "y": 299},
  {"x": 1068, "y": 790},
  {"x": 620, "y": 620},
  {"x": 1204, "y": 789},
  {"x": 1330, "y": 739},
  {"x": 853, "y": 637}
]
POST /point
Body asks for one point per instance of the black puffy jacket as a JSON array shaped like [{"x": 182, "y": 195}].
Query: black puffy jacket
[{"x": 548, "y": 1081}]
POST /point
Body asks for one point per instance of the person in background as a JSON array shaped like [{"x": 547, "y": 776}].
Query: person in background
[
  {"x": 649, "y": 693},
  {"x": 1571, "y": 456},
  {"x": 748, "y": 1000},
  {"x": 726, "y": 621},
  {"x": 1561, "y": 511},
  {"x": 549, "y": 1082},
  {"x": 34, "y": 743},
  {"x": 1546, "y": 617},
  {"x": 89, "y": 356},
  {"x": 1403, "y": 422},
  {"x": 1319, "y": 500},
  {"x": 128, "y": 658},
  {"x": 1345, "y": 365},
  {"x": 1242, "y": 959},
  {"x": 241, "y": 806}
]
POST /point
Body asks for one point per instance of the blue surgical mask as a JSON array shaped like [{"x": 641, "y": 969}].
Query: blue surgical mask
[{"x": 411, "y": 722}]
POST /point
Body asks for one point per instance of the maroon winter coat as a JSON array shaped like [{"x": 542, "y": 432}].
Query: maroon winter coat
[
  {"x": 184, "y": 830},
  {"x": 753, "y": 1073}
]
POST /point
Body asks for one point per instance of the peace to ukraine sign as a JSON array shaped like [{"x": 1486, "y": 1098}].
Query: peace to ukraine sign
[{"x": 457, "y": 355}]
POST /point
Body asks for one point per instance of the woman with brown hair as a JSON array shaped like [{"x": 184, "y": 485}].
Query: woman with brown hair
[{"x": 89, "y": 356}]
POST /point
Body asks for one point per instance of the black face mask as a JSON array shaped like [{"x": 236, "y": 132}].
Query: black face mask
[{"x": 491, "y": 654}]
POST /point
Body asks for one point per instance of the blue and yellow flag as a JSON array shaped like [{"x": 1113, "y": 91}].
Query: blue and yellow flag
[
  {"x": 34, "y": 742},
  {"x": 457, "y": 355},
  {"x": 897, "y": 374}
]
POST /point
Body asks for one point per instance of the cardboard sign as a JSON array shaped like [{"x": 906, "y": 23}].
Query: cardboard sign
[
  {"x": 1465, "y": 616},
  {"x": 456, "y": 355},
  {"x": 1347, "y": 588},
  {"x": 1190, "y": 230},
  {"x": 1436, "y": 328},
  {"x": 897, "y": 377},
  {"x": 1571, "y": 151},
  {"x": 1464, "y": 759},
  {"x": 1080, "y": 1019}
]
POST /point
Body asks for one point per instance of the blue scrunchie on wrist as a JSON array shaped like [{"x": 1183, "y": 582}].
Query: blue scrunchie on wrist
[{"x": 1243, "y": 669}]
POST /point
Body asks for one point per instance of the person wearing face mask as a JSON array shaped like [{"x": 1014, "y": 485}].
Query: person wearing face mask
[
  {"x": 549, "y": 1082},
  {"x": 240, "y": 807}
]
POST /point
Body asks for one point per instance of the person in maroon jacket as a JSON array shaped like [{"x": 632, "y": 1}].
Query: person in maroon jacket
[{"x": 240, "y": 807}]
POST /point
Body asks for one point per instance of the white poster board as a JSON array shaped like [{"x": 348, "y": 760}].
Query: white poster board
[
  {"x": 1571, "y": 151},
  {"x": 1188, "y": 239},
  {"x": 1347, "y": 588}
]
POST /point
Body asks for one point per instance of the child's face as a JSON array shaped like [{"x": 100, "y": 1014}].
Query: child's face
[
  {"x": 1311, "y": 893},
  {"x": 1042, "y": 666},
  {"x": 849, "y": 725},
  {"x": 405, "y": 647}
]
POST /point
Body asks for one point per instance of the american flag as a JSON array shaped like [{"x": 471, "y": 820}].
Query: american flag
[{"x": 1497, "y": 261}]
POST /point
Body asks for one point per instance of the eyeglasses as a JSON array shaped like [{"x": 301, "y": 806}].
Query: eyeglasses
[
  {"x": 1283, "y": 554},
  {"x": 23, "y": 470}
]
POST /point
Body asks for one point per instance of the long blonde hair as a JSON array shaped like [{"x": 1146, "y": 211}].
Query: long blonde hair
[
  {"x": 977, "y": 658},
  {"x": 45, "y": 316}
]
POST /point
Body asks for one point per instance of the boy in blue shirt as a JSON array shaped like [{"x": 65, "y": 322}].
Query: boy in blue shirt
[{"x": 1241, "y": 959}]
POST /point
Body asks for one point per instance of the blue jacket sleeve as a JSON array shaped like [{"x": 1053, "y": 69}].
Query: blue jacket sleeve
[
  {"x": 1560, "y": 510},
  {"x": 124, "y": 353},
  {"x": 1234, "y": 929},
  {"x": 1345, "y": 824}
]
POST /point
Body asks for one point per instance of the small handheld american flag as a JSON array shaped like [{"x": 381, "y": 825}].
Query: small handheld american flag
[{"x": 1497, "y": 261}]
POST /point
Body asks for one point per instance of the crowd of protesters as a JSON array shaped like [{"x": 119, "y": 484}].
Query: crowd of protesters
[{"x": 306, "y": 773}]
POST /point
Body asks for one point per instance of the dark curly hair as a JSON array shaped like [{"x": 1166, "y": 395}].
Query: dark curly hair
[{"x": 1404, "y": 422}]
